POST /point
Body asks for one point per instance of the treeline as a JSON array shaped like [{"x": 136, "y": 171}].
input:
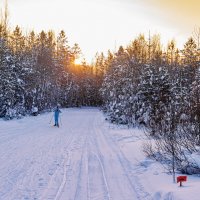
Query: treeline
[
  {"x": 38, "y": 72},
  {"x": 158, "y": 89}
]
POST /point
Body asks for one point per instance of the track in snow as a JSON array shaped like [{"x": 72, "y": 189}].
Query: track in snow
[{"x": 78, "y": 161}]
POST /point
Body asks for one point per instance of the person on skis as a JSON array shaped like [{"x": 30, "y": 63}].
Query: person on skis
[{"x": 56, "y": 116}]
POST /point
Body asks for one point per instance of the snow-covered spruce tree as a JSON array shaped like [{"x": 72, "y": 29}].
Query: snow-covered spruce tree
[
  {"x": 17, "y": 46},
  {"x": 111, "y": 90},
  {"x": 63, "y": 83},
  {"x": 190, "y": 93},
  {"x": 44, "y": 97},
  {"x": 30, "y": 75},
  {"x": 8, "y": 79},
  {"x": 195, "y": 108},
  {"x": 118, "y": 89},
  {"x": 153, "y": 96},
  {"x": 12, "y": 85}
]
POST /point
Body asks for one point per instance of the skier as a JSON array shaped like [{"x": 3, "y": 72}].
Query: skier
[{"x": 56, "y": 116}]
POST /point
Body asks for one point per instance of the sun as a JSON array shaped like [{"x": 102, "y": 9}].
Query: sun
[{"x": 78, "y": 61}]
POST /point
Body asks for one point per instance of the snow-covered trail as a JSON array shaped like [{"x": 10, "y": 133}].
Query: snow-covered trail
[{"x": 78, "y": 161}]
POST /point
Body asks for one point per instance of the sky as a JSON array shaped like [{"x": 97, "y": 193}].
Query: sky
[{"x": 99, "y": 25}]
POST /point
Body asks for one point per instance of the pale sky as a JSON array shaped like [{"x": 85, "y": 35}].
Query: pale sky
[{"x": 99, "y": 25}]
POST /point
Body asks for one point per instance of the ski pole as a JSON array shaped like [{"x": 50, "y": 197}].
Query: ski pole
[
  {"x": 60, "y": 121},
  {"x": 51, "y": 119}
]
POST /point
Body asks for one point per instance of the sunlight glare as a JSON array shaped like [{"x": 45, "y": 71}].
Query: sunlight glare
[{"x": 78, "y": 61}]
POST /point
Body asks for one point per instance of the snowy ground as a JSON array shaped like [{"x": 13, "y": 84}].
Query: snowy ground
[{"x": 85, "y": 159}]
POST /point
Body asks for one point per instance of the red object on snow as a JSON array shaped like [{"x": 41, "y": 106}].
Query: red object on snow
[{"x": 181, "y": 179}]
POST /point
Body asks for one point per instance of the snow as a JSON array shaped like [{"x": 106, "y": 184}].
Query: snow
[
  {"x": 85, "y": 159},
  {"x": 152, "y": 176}
]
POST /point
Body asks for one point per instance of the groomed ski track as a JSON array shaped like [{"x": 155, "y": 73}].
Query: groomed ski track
[{"x": 78, "y": 161}]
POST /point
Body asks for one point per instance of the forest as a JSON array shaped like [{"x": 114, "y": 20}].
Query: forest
[
  {"x": 143, "y": 84},
  {"x": 38, "y": 72}
]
